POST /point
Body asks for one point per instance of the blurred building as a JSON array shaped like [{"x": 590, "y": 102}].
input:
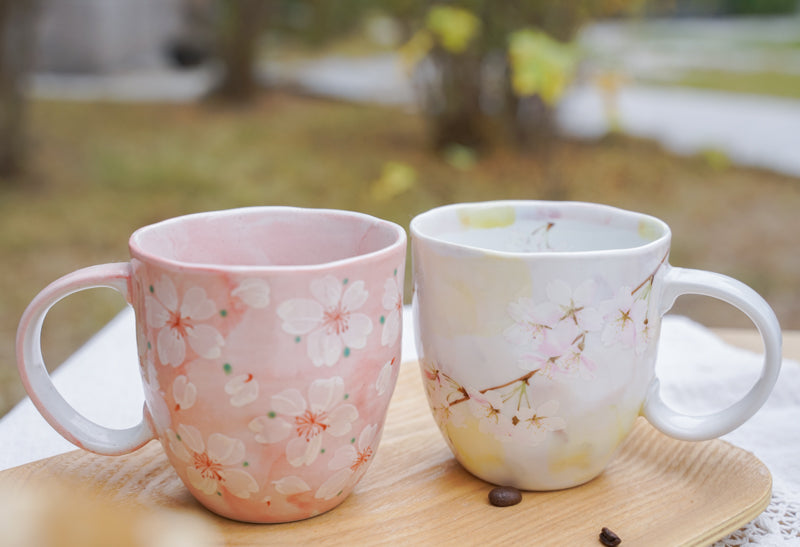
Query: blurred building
[{"x": 105, "y": 36}]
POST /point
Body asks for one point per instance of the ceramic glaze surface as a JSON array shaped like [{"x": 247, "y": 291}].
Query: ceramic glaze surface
[
  {"x": 537, "y": 327},
  {"x": 269, "y": 342}
]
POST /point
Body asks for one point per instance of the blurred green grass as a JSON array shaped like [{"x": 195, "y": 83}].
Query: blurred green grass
[{"x": 101, "y": 170}]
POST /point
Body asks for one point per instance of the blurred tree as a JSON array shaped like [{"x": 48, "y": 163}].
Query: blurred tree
[
  {"x": 240, "y": 24},
  {"x": 511, "y": 61},
  {"x": 17, "y": 20}
]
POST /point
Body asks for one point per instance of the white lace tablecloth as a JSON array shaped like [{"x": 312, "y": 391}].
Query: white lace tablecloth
[{"x": 700, "y": 373}]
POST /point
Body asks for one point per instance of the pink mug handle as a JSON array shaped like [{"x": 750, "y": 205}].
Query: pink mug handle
[{"x": 58, "y": 412}]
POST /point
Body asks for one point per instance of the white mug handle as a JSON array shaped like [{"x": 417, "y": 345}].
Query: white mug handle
[
  {"x": 678, "y": 281},
  {"x": 58, "y": 412}
]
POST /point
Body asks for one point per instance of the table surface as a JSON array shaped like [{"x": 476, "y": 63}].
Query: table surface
[{"x": 109, "y": 359}]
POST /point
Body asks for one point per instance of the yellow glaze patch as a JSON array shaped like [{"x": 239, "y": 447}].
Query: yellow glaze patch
[
  {"x": 478, "y": 452},
  {"x": 494, "y": 217},
  {"x": 648, "y": 230},
  {"x": 580, "y": 458}
]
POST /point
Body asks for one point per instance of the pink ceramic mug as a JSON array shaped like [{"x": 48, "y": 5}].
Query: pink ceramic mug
[{"x": 269, "y": 344}]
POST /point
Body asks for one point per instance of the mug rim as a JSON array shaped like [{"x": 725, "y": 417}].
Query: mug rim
[
  {"x": 419, "y": 233},
  {"x": 138, "y": 251}
]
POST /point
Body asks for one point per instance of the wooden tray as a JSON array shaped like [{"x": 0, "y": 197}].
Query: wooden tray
[{"x": 657, "y": 491}]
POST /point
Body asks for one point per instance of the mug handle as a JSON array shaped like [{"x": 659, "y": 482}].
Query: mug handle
[
  {"x": 678, "y": 281},
  {"x": 58, "y": 412}
]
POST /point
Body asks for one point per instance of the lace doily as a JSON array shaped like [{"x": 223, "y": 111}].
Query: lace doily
[{"x": 701, "y": 374}]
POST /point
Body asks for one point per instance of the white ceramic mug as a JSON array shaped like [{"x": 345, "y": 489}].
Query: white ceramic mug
[{"x": 537, "y": 327}]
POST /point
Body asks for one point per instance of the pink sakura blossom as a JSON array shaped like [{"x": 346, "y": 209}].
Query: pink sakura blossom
[{"x": 626, "y": 321}]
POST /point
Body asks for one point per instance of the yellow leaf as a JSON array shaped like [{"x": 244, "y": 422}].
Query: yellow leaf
[
  {"x": 454, "y": 27},
  {"x": 396, "y": 178}
]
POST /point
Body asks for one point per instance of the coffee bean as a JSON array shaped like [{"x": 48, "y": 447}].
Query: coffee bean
[
  {"x": 503, "y": 496},
  {"x": 609, "y": 538}
]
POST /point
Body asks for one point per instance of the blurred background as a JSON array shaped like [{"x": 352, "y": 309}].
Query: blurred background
[{"x": 118, "y": 113}]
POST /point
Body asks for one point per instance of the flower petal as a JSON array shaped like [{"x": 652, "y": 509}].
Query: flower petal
[
  {"x": 354, "y": 297},
  {"x": 300, "y": 451},
  {"x": 289, "y": 402},
  {"x": 323, "y": 394},
  {"x": 243, "y": 390},
  {"x": 559, "y": 292},
  {"x": 205, "y": 340},
  {"x": 300, "y": 316},
  {"x": 253, "y": 292},
  {"x": 177, "y": 447},
  {"x": 206, "y": 485},
  {"x": 291, "y": 485},
  {"x": 367, "y": 436},
  {"x": 391, "y": 329},
  {"x": 171, "y": 347},
  {"x": 239, "y": 483},
  {"x": 358, "y": 329},
  {"x": 157, "y": 315},
  {"x": 269, "y": 430},
  {"x": 165, "y": 292},
  {"x": 327, "y": 291},
  {"x": 335, "y": 484},
  {"x": 196, "y": 305},
  {"x": 323, "y": 348},
  {"x": 224, "y": 449},
  {"x": 391, "y": 294},
  {"x": 191, "y": 437},
  {"x": 184, "y": 392},
  {"x": 340, "y": 420},
  {"x": 344, "y": 457}
]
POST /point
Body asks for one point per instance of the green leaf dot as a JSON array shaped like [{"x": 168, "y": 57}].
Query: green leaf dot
[
  {"x": 383, "y": 320},
  {"x": 223, "y": 313},
  {"x": 178, "y": 437},
  {"x": 271, "y": 414},
  {"x": 353, "y": 440},
  {"x": 344, "y": 282},
  {"x": 395, "y": 271},
  {"x": 297, "y": 339},
  {"x": 321, "y": 450},
  {"x": 152, "y": 289},
  {"x": 227, "y": 368},
  {"x": 346, "y": 396},
  {"x": 347, "y": 352},
  {"x": 245, "y": 464}
]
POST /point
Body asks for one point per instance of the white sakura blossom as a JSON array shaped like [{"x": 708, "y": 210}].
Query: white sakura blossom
[
  {"x": 243, "y": 389},
  {"x": 289, "y": 486},
  {"x": 179, "y": 322},
  {"x": 184, "y": 392},
  {"x": 330, "y": 320},
  {"x": 214, "y": 467},
  {"x": 325, "y": 414},
  {"x": 383, "y": 383},
  {"x": 393, "y": 320},
  {"x": 253, "y": 292},
  {"x": 350, "y": 463}
]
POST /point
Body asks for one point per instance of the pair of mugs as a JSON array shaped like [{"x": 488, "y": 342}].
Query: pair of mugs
[{"x": 269, "y": 344}]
